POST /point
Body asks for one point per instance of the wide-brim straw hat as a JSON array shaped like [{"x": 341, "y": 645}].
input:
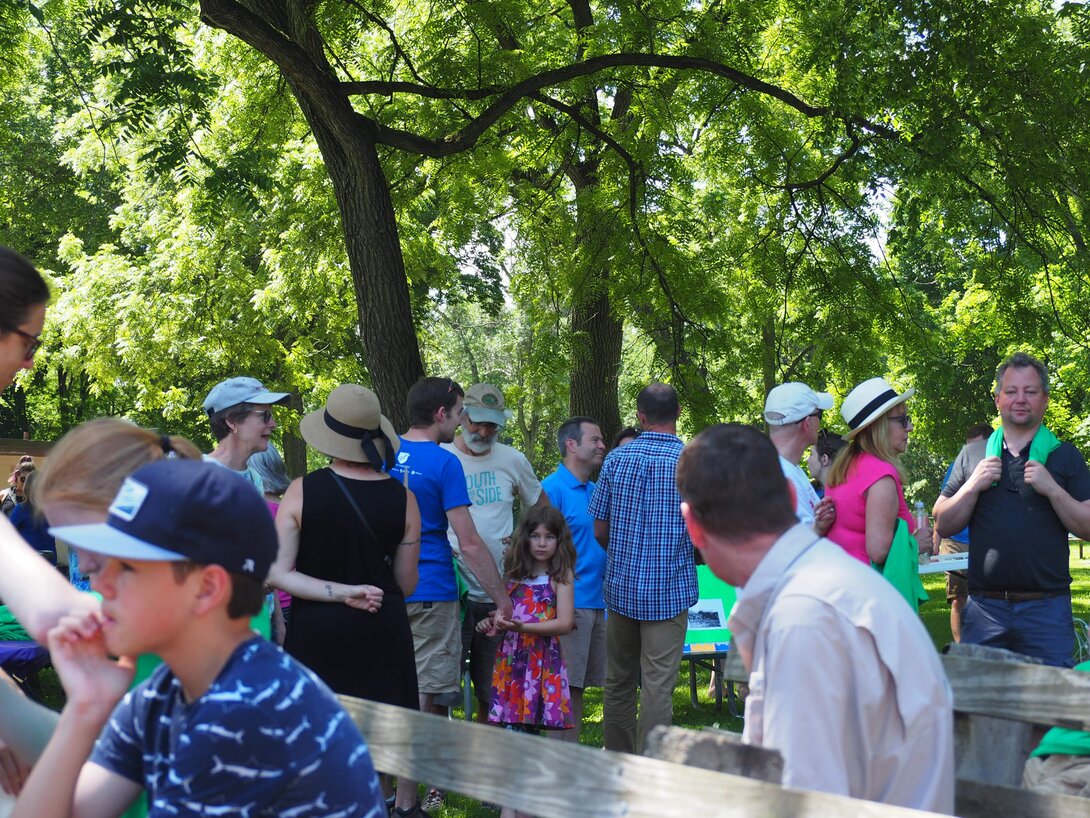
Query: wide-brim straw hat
[
  {"x": 347, "y": 426},
  {"x": 868, "y": 402}
]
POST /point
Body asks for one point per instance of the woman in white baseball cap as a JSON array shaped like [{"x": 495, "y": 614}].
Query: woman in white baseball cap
[{"x": 865, "y": 481}]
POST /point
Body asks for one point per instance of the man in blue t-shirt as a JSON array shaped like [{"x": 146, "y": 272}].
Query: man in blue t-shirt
[
  {"x": 438, "y": 480},
  {"x": 569, "y": 489},
  {"x": 229, "y": 724}
]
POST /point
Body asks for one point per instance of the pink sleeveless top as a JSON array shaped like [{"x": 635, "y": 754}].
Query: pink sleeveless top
[{"x": 850, "y": 529}]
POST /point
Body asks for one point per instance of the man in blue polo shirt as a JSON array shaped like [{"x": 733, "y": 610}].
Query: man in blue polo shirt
[
  {"x": 569, "y": 489},
  {"x": 650, "y": 576}
]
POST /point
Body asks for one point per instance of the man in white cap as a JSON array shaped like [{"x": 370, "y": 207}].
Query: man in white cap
[
  {"x": 240, "y": 413},
  {"x": 793, "y": 414},
  {"x": 495, "y": 475}
]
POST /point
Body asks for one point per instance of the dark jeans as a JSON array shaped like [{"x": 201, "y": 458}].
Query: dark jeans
[{"x": 1042, "y": 628}]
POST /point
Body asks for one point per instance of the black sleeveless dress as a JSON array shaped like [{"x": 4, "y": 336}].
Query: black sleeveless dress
[{"x": 367, "y": 655}]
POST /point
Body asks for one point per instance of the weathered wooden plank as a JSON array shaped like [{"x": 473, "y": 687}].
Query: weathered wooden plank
[
  {"x": 555, "y": 779},
  {"x": 1031, "y": 693},
  {"x": 977, "y": 800},
  {"x": 715, "y": 750},
  {"x": 990, "y": 750},
  {"x": 1037, "y": 694}
]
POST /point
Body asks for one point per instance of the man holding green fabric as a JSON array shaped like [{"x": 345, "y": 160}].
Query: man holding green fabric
[{"x": 1020, "y": 493}]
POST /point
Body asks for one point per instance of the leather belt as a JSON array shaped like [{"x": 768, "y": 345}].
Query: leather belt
[{"x": 1020, "y": 596}]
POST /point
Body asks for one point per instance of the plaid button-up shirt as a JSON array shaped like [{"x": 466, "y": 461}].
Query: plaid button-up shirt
[{"x": 650, "y": 573}]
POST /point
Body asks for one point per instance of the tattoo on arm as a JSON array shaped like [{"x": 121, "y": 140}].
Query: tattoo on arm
[{"x": 329, "y": 590}]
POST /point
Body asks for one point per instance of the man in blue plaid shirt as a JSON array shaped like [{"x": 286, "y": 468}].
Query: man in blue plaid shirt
[{"x": 650, "y": 580}]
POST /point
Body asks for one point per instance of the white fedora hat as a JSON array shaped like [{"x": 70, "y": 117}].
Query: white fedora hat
[{"x": 868, "y": 402}]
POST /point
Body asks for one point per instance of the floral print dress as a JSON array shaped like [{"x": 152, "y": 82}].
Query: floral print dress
[{"x": 529, "y": 680}]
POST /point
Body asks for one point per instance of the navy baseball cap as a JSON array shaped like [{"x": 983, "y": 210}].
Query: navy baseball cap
[
  {"x": 174, "y": 510},
  {"x": 234, "y": 391}
]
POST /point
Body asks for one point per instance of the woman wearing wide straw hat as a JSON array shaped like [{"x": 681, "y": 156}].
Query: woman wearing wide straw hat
[
  {"x": 865, "y": 480},
  {"x": 352, "y": 534}
]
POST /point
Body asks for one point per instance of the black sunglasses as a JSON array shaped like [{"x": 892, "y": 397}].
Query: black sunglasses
[{"x": 33, "y": 342}]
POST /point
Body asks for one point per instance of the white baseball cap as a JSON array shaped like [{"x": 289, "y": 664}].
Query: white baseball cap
[{"x": 791, "y": 402}]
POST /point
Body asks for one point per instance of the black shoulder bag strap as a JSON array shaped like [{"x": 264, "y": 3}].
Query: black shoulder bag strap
[{"x": 355, "y": 506}]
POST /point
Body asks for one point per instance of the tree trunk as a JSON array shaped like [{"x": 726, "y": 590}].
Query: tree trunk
[
  {"x": 596, "y": 361},
  {"x": 374, "y": 256},
  {"x": 596, "y": 333},
  {"x": 295, "y": 450},
  {"x": 287, "y": 35}
]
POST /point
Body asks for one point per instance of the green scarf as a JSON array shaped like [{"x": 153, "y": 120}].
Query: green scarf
[{"x": 1043, "y": 444}]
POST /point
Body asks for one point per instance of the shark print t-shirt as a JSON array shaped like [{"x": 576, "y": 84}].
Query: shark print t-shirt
[{"x": 267, "y": 739}]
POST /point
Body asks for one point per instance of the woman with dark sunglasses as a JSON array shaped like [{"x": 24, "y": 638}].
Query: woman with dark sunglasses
[
  {"x": 865, "y": 481},
  {"x": 240, "y": 412}
]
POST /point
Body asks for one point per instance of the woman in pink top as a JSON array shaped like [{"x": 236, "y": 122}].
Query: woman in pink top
[{"x": 865, "y": 481}]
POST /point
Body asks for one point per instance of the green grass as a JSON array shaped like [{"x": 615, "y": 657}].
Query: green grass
[{"x": 935, "y": 614}]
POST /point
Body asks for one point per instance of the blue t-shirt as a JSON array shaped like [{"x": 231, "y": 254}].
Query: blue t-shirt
[
  {"x": 438, "y": 480},
  {"x": 267, "y": 739},
  {"x": 963, "y": 535},
  {"x": 571, "y": 498}
]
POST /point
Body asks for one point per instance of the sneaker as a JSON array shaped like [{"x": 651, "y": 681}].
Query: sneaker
[{"x": 434, "y": 800}]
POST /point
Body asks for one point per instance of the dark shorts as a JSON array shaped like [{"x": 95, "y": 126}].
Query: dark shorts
[
  {"x": 479, "y": 648},
  {"x": 957, "y": 583}
]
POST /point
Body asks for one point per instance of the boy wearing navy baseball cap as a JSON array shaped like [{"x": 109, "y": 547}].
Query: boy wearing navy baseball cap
[{"x": 229, "y": 724}]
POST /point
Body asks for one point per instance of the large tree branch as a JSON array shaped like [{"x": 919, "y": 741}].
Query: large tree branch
[
  {"x": 506, "y": 98},
  {"x": 258, "y": 33}
]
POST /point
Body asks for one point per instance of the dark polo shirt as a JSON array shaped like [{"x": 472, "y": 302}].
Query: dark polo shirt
[{"x": 1016, "y": 540}]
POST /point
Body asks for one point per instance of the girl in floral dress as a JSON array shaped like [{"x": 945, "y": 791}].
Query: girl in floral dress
[{"x": 530, "y": 681}]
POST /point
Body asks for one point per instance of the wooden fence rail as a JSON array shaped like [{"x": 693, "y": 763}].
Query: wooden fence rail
[
  {"x": 556, "y": 779},
  {"x": 996, "y": 698},
  {"x": 1001, "y": 701}
]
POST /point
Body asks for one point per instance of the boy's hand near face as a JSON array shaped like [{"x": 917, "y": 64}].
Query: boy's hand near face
[{"x": 93, "y": 682}]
